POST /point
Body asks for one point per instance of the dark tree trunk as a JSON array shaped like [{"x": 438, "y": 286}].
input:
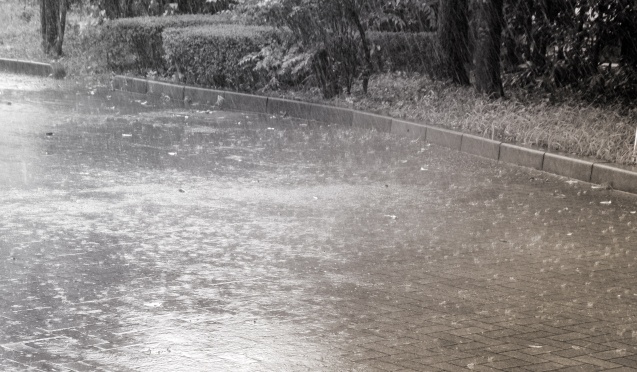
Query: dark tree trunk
[
  {"x": 487, "y": 54},
  {"x": 367, "y": 69},
  {"x": 453, "y": 32},
  {"x": 112, "y": 9},
  {"x": 512, "y": 59},
  {"x": 61, "y": 27},
  {"x": 49, "y": 13},
  {"x": 52, "y": 25},
  {"x": 189, "y": 6},
  {"x": 629, "y": 50},
  {"x": 127, "y": 9},
  {"x": 540, "y": 37}
]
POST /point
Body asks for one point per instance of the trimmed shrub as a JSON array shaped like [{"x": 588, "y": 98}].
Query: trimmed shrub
[
  {"x": 137, "y": 44},
  {"x": 210, "y": 56},
  {"x": 411, "y": 52}
]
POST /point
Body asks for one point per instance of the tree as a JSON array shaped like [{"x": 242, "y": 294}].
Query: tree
[
  {"x": 453, "y": 32},
  {"x": 52, "y": 25},
  {"x": 488, "y": 78}
]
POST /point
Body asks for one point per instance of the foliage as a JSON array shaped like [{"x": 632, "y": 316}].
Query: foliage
[
  {"x": 210, "y": 55},
  {"x": 332, "y": 31},
  {"x": 282, "y": 61},
  {"x": 204, "y": 6},
  {"x": 403, "y": 16},
  {"x": 555, "y": 44},
  {"x": 137, "y": 43},
  {"x": 410, "y": 52}
]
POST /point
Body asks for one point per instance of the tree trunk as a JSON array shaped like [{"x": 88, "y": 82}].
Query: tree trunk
[
  {"x": 453, "y": 33},
  {"x": 487, "y": 55},
  {"x": 112, "y": 9},
  {"x": 49, "y": 13},
  {"x": 540, "y": 37},
  {"x": 61, "y": 27},
  {"x": 367, "y": 69}
]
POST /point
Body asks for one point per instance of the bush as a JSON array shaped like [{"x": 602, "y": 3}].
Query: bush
[
  {"x": 137, "y": 44},
  {"x": 210, "y": 56},
  {"x": 409, "y": 52}
]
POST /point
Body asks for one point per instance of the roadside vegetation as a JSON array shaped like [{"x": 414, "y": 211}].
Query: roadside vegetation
[{"x": 565, "y": 78}]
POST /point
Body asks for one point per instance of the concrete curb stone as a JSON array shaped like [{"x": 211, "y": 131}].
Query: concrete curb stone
[
  {"x": 310, "y": 111},
  {"x": 158, "y": 88},
  {"x": 480, "y": 146},
  {"x": 119, "y": 82},
  {"x": 371, "y": 121},
  {"x": 244, "y": 102},
  {"x": 444, "y": 137},
  {"x": 286, "y": 107},
  {"x": 568, "y": 166},
  {"x": 202, "y": 96},
  {"x": 523, "y": 156},
  {"x": 136, "y": 85},
  {"x": 25, "y": 67},
  {"x": 408, "y": 129},
  {"x": 9, "y": 65},
  {"x": 620, "y": 178},
  {"x": 331, "y": 115}
]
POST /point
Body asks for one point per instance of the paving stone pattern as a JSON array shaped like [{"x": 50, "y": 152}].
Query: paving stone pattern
[{"x": 157, "y": 239}]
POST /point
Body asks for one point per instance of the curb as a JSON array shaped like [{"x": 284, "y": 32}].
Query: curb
[
  {"x": 25, "y": 67},
  {"x": 622, "y": 178}
]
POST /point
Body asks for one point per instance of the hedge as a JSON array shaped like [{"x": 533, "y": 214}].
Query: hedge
[
  {"x": 400, "y": 51},
  {"x": 209, "y": 56},
  {"x": 137, "y": 44}
]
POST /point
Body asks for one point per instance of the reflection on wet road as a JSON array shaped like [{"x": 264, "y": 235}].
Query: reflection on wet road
[{"x": 138, "y": 236}]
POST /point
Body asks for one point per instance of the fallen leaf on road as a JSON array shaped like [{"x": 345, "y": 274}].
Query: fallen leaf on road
[
  {"x": 535, "y": 346},
  {"x": 182, "y": 190},
  {"x": 126, "y": 135},
  {"x": 391, "y": 216},
  {"x": 606, "y": 202}
]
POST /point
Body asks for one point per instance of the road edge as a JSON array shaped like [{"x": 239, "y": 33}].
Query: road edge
[{"x": 622, "y": 178}]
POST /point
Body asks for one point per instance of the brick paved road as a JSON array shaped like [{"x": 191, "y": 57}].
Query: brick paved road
[{"x": 138, "y": 239}]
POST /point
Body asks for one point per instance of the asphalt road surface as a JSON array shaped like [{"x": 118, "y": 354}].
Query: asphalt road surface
[{"x": 139, "y": 236}]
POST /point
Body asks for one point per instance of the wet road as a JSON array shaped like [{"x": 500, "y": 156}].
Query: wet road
[{"x": 137, "y": 236}]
